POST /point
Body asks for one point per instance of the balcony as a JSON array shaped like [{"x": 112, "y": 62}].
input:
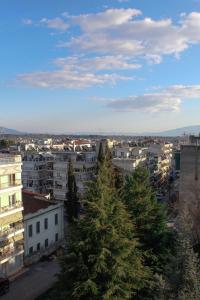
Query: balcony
[
  {"x": 15, "y": 205},
  {"x": 11, "y": 231},
  {"x": 10, "y": 184},
  {"x": 10, "y": 159},
  {"x": 11, "y": 252}
]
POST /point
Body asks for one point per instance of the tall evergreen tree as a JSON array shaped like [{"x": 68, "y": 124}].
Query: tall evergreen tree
[
  {"x": 103, "y": 261},
  {"x": 73, "y": 204},
  {"x": 149, "y": 217},
  {"x": 184, "y": 275}
]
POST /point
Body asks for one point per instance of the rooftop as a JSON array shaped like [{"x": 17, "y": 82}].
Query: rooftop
[{"x": 34, "y": 202}]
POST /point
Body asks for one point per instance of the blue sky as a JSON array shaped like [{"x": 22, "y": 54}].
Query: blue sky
[{"x": 99, "y": 66}]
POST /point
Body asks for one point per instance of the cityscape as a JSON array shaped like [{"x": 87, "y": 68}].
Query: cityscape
[{"x": 100, "y": 150}]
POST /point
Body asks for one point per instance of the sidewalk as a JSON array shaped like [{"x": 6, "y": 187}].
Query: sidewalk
[{"x": 36, "y": 281}]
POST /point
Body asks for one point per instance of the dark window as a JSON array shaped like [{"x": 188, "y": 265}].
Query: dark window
[
  {"x": 30, "y": 230},
  {"x": 38, "y": 227},
  {"x": 56, "y": 237},
  {"x": 30, "y": 250},
  {"x": 46, "y": 243},
  {"x": 56, "y": 219},
  {"x": 45, "y": 223},
  {"x": 38, "y": 246}
]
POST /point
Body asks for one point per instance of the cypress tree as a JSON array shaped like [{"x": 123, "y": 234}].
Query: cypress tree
[
  {"x": 184, "y": 275},
  {"x": 149, "y": 217},
  {"x": 73, "y": 205},
  {"x": 103, "y": 261}
]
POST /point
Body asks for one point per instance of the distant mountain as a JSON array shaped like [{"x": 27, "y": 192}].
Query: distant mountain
[
  {"x": 180, "y": 131},
  {"x": 4, "y": 130}
]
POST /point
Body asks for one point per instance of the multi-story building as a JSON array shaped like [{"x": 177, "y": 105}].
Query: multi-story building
[
  {"x": 37, "y": 172},
  {"x": 189, "y": 189},
  {"x": 84, "y": 165},
  {"x": 44, "y": 226},
  {"x": 11, "y": 219}
]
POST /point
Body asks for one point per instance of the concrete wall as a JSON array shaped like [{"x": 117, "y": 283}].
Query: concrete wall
[{"x": 189, "y": 202}]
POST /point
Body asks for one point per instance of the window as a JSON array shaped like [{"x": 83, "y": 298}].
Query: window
[
  {"x": 31, "y": 250},
  {"x": 30, "y": 230},
  {"x": 38, "y": 246},
  {"x": 38, "y": 227},
  {"x": 12, "y": 200},
  {"x": 56, "y": 237},
  {"x": 45, "y": 223},
  {"x": 56, "y": 219},
  {"x": 46, "y": 243}
]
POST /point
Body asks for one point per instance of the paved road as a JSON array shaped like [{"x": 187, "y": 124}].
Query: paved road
[{"x": 37, "y": 280}]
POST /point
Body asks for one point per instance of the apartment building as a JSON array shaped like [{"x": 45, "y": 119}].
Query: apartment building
[
  {"x": 189, "y": 189},
  {"x": 37, "y": 172},
  {"x": 84, "y": 164},
  {"x": 43, "y": 225},
  {"x": 11, "y": 219}
]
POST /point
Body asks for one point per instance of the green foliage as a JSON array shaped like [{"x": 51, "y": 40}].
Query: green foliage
[
  {"x": 150, "y": 219},
  {"x": 73, "y": 205},
  {"x": 5, "y": 144},
  {"x": 103, "y": 261},
  {"x": 184, "y": 272}
]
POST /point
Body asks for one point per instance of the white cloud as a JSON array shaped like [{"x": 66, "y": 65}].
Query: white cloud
[
  {"x": 77, "y": 72},
  {"x": 27, "y": 21},
  {"x": 98, "y": 63},
  {"x": 168, "y": 99},
  {"x": 117, "y": 31},
  {"x": 56, "y": 23}
]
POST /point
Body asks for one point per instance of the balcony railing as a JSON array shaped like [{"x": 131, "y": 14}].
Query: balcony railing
[
  {"x": 5, "y": 233},
  {"x": 11, "y": 207},
  {"x": 8, "y": 159},
  {"x": 7, "y": 185},
  {"x": 10, "y": 252}
]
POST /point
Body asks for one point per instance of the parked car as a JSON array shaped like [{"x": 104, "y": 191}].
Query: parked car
[{"x": 4, "y": 285}]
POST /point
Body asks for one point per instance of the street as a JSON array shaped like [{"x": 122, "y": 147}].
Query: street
[{"x": 37, "y": 280}]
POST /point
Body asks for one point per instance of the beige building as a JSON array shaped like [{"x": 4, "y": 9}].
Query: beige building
[{"x": 11, "y": 220}]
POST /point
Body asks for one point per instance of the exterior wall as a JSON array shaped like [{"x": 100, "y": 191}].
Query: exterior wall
[
  {"x": 37, "y": 173},
  {"x": 32, "y": 254},
  {"x": 11, "y": 220},
  {"x": 190, "y": 185}
]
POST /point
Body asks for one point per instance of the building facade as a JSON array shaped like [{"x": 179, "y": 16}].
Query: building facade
[
  {"x": 43, "y": 226},
  {"x": 11, "y": 219}
]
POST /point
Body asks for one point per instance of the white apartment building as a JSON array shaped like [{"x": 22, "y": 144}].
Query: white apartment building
[
  {"x": 84, "y": 164},
  {"x": 37, "y": 172},
  {"x": 43, "y": 224},
  {"x": 11, "y": 219}
]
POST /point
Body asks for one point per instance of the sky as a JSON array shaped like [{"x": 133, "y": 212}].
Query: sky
[{"x": 120, "y": 66}]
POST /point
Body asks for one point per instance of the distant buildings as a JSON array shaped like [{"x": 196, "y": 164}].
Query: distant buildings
[{"x": 11, "y": 219}]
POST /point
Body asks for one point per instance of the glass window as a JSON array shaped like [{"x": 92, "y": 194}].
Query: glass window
[
  {"x": 38, "y": 246},
  {"x": 30, "y": 230},
  {"x": 46, "y": 243},
  {"x": 45, "y": 223},
  {"x": 30, "y": 250},
  {"x": 38, "y": 227},
  {"x": 56, "y": 219},
  {"x": 56, "y": 237}
]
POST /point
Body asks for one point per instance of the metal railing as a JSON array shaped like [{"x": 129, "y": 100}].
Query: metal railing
[
  {"x": 15, "y": 205},
  {"x": 10, "y": 252},
  {"x": 5, "y": 233},
  {"x": 9, "y": 184},
  {"x": 7, "y": 159}
]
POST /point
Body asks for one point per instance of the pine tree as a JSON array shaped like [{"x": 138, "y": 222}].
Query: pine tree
[
  {"x": 184, "y": 275},
  {"x": 103, "y": 261},
  {"x": 149, "y": 217},
  {"x": 73, "y": 205}
]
